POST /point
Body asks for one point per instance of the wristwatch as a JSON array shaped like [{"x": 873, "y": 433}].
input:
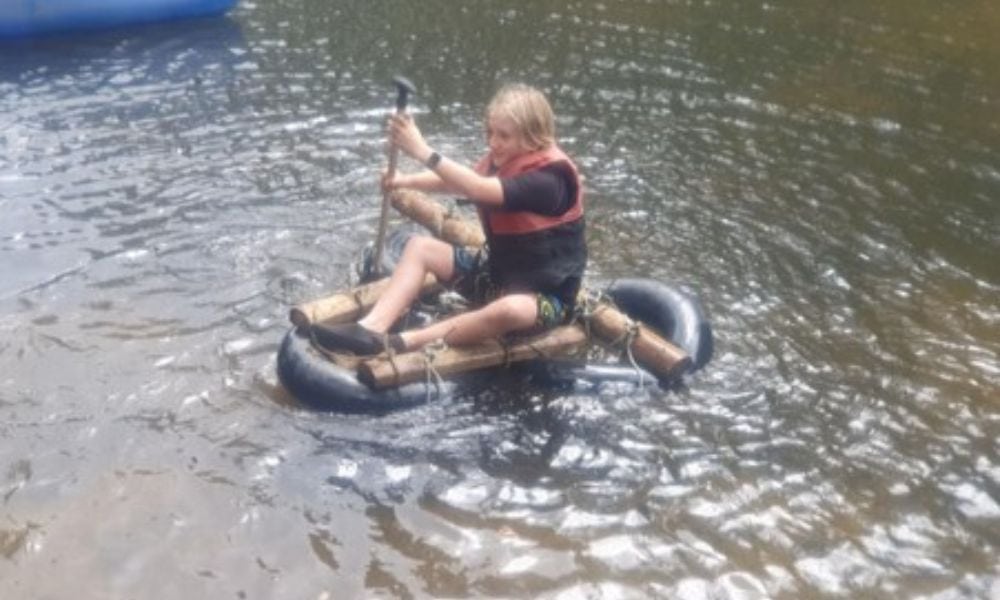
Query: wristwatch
[{"x": 432, "y": 160}]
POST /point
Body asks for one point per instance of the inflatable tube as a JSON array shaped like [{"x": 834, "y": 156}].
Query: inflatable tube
[
  {"x": 676, "y": 315},
  {"x": 20, "y": 18},
  {"x": 319, "y": 383},
  {"x": 673, "y": 313}
]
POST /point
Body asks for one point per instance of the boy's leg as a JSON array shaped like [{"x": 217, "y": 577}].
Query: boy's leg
[
  {"x": 512, "y": 312},
  {"x": 422, "y": 255}
]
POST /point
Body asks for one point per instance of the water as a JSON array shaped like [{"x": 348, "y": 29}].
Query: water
[{"x": 825, "y": 176}]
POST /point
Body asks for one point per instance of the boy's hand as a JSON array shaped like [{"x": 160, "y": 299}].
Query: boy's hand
[
  {"x": 405, "y": 135},
  {"x": 389, "y": 181}
]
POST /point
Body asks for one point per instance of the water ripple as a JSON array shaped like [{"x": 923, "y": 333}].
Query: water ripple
[{"x": 823, "y": 178}]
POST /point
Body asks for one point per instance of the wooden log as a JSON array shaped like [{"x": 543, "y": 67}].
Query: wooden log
[
  {"x": 650, "y": 350},
  {"x": 436, "y": 218},
  {"x": 346, "y": 306},
  {"x": 384, "y": 371}
]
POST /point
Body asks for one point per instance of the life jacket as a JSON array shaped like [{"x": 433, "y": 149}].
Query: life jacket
[
  {"x": 531, "y": 250},
  {"x": 506, "y": 222}
]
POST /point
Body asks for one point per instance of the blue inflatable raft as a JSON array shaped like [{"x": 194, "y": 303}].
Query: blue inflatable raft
[{"x": 22, "y": 18}]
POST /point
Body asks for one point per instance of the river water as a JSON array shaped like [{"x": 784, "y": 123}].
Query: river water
[{"x": 826, "y": 177}]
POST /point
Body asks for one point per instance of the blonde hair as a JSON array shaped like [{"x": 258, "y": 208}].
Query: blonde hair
[{"x": 530, "y": 112}]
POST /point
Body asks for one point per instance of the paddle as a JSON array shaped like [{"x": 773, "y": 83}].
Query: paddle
[{"x": 403, "y": 90}]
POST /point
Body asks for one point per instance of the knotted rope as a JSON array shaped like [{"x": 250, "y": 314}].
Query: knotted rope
[
  {"x": 437, "y": 225},
  {"x": 430, "y": 354},
  {"x": 588, "y": 305},
  {"x": 630, "y": 336}
]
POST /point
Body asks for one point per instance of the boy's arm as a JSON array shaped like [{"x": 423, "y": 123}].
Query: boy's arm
[
  {"x": 456, "y": 178},
  {"x": 460, "y": 179},
  {"x": 424, "y": 181}
]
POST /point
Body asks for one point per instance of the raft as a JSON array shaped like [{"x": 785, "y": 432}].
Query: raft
[
  {"x": 320, "y": 383},
  {"x": 655, "y": 333},
  {"x": 23, "y": 18}
]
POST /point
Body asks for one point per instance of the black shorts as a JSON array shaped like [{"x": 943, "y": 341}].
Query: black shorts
[{"x": 472, "y": 280}]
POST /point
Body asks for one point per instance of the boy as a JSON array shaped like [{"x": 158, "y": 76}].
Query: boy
[{"x": 530, "y": 202}]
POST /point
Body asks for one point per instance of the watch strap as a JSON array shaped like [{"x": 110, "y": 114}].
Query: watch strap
[{"x": 433, "y": 160}]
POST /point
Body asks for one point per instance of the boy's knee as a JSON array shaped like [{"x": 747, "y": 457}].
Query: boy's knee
[
  {"x": 428, "y": 254},
  {"x": 422, "y": 248},
  {"x": 516, "y": 309},
  {"x": 417, "y": 244}
]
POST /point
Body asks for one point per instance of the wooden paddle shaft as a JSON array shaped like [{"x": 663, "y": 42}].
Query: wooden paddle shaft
[
  {"x": 403, "y": 90},
  {"x": 383, "y": 217},
  {"x": 346, "y": 306}
]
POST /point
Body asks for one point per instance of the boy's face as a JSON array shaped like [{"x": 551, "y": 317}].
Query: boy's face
[{"x": 504, "y": 140}]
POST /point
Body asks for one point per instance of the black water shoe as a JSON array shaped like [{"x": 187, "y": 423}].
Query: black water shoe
[{"x": 354, "y": 338}]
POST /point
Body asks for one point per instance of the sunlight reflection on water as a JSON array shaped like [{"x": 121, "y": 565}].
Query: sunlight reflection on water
[{"x": 170, "y": 193}]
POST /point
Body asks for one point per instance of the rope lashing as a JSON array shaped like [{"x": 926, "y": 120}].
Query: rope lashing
[
  {"x": 437, "y": 226},
  {"x": 630, "y": 336},
  {"x": 627, "y": 339},
  {"x": 358, "y": 301},
  {"x": 506, "y": 353},
  {"x": 315, "y": 343},
  {"x": 584, "y": 311},
  {"x": 391, "y": 357},
  {"x": 430, "y": 352},
  {"x": 387, "y": 347},
  {"x": 592, "y": 303}
]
